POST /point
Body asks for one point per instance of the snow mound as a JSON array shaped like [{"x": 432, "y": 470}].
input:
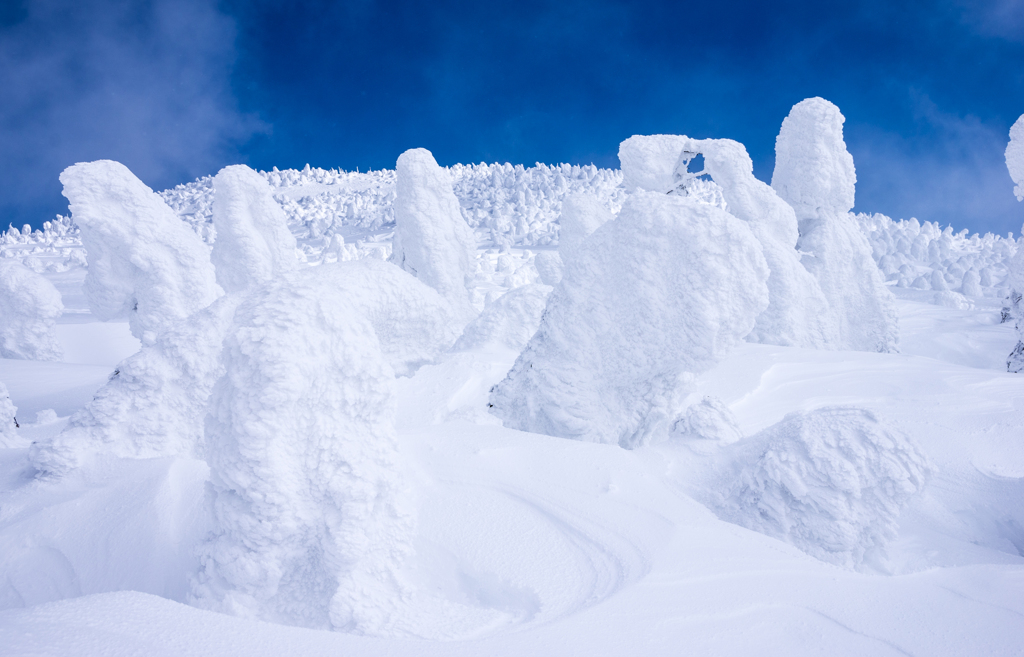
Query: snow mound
[
  {"x": 8, "y": 435},
  {"x": 1015, "y": 157},
  {"x": 832, "y": 482},
  {"x": 305, "y": 492},
  {"x": 668, "y": 287},
  {"x": 814, "y": 173},
  {"x": 432, "y": 241},
  {"x": 154, "y": 402},
  {"x": 144, "y": 262},
  {"x": 253, "y": 241},
  {"x": 29, "y": 308},
  {"x": 509, "y": 321},
  {"x": 709, "y": 419}
]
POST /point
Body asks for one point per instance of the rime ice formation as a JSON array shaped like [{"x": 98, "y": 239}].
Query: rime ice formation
[
  {"x": 153, "y": 404},
  {"x": 549, "y": 267},
  {"x": 509, "y": 321},
  {"x": 667, "y": 288},
  {"x": 253, "y": 240},
  {"x": 814, "y": 173},
  {"x": 8, "y": 435},
  {"x": 1015, "y": 157},
  {"x": 306, "y": 491},
  {"x": 144, "y": 263},
  {"x": 651, "y": 162},
  {"x": 832, "y": 482},
  {"x": 432, "y": 240},
  {"x": 29, "y": 308}
]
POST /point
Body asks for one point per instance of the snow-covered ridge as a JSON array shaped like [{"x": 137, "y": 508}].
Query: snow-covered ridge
[{"x": 514, "y": 207}]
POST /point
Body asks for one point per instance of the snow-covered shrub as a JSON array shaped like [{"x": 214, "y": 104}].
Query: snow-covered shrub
[
  {"x": 814, "y": 173},
  {"x": 253, "y": 242},
  {"x": 432, "y": 241},
  {"x": 306, "y": 497},
  {"x": 144, "y": 263},
  {"x": 707, "y": 420},
  {"x": 154, "y": 402},
  {"x": 832, "y": 482},
  {"x": 666, "y": 288},
  {"x": 29, "y": 308},
  {"x": 509, "y": 321},
  {"x": 8, "y": 435}
]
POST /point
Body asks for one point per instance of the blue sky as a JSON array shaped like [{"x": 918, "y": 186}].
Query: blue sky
[{"x": 176, "y": 89}]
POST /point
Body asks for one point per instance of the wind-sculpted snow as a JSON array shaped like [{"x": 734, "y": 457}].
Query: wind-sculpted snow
[
  {"x": 253, "y": 243},
  {"x": 665, "y": 289},
  {"x": 29, "y": 308},
  {"x": 144, "y": 263},
  {"x": 307, "y": 503},
  {"x": 814, "y": 174},
  {"x": 8, "y": 413},
  {"x": 832, "y": 482},
  {"x": 432, "y": 241},
  {"x": 154, "y": 403}
]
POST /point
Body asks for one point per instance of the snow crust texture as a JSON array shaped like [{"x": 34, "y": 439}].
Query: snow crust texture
[
  {"x": 253, "y": 240},
  {"x": 145, "y": 264},
  {"x": 432, "y": 241},
  {"x": 832, "y": 482},
  {"x": 304, "y": 478},
  {"x": 667, "y": 288},
  {"x": 29, "y": 308},
  {"x": 814, "y": 174}
]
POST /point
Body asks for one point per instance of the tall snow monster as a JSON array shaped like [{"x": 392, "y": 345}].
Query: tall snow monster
[
  {"x": 814, "y": 174},
  {"x": 1015, "y": 164}
]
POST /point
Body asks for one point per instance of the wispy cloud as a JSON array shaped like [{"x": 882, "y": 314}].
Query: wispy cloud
[
  {"x": 148, "y": 84},
  {"x": 953, "y": 173}
]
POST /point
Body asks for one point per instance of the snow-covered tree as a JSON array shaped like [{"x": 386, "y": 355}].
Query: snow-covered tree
[
  {"x": 29, "y": 308},
  {"x": 310, "y": 527},
  {"x": 432, "y": 241},
  {"x": 145, "y": 264},
  {"x": 665, "y": 289},
  {"x": 1015, "y": 164},
  {"x": 814, "y": 174},
  {"x": 253, "y": 242},
  {"x": 8, "y": 411}
]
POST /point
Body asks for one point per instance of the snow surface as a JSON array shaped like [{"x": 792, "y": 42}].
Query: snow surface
[{"x": 786, "y": 499}]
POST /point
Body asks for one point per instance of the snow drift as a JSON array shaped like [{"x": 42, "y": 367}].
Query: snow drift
[
  {"x": 144, "y": 263},
  {"x": 667, "y": 288},
  {"x": 304, "y": 478},
  {"x": 814, "y": 174},
  {"x": 832, "y": 482},
  {"x": 29, "y": 308},
  {"x": 432, "y": 241},
  {"x": 253, "y": 240}
]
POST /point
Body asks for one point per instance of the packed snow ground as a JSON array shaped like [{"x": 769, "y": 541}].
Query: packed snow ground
[{"x": 321, "y": 445}]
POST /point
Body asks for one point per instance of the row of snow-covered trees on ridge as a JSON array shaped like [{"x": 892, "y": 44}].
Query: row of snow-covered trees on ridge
[{"x": 282, "y": 376}]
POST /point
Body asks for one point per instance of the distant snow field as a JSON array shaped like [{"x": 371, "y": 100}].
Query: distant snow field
[{"x": 505, "y": 410}]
